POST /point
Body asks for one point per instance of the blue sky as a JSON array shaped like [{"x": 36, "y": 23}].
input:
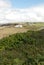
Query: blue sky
[{"x": 26, "y": 3}]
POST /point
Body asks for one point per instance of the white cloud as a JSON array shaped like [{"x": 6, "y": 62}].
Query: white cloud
[{"x": 9, "y": 15}]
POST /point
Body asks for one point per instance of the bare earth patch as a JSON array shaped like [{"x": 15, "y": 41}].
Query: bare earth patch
[{"x": 5, "y": 31}]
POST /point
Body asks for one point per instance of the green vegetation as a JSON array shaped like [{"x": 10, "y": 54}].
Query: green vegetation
[
  {"x": 23, "y": 49},
  {"x": 34, "y": 25}
]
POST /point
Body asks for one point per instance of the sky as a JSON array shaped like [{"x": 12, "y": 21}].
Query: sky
[
  {"x": 26, "y": 3},
  {"x": 21, "y": 11}
]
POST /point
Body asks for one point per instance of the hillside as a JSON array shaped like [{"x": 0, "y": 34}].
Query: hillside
[
  {"x": 23, "y": 49},
  {"x": 9, "y": 29}
]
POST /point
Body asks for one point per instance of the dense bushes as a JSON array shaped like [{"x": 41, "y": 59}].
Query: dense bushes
[{"x": 22, "y": 49}]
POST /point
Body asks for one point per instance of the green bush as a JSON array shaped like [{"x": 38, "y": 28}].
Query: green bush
[{"x": 22, "y": 48}]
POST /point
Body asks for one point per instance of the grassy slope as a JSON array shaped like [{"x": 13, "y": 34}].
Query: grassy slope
[{"x": 23, "y": 49}]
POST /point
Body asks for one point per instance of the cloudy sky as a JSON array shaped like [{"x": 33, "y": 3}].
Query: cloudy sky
[{"x": 21, "y": 10}]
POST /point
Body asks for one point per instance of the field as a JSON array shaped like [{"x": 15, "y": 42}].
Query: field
[{"x": 8, "y": 30}]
